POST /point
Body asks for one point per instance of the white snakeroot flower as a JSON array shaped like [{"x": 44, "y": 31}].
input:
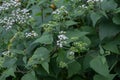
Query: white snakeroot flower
[
  {"x": 62, "y": 32},
  {"x": 62, "y": 39},
  {"x": 5, "y": 53},
  {"x": 9, "y": 4},
  {"x": 16, "y": 15},
  {"x": 57, "y": 11},
  {"x": 83, "y": 6},
  {"x": 94, "y": 1},
  {"x": 71, "y": 53},
  {"x": 31, "y": 34},
  {"x": 60, "y": 10}
]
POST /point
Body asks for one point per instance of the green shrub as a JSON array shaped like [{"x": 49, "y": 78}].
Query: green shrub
[{"x": 59, "y": 40}]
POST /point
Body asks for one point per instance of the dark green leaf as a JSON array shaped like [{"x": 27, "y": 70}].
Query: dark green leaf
[
  {"x": 45, "y": 39},
  {"x": 112, "y": 46},
  {"x": 116, "y": 19},
  {"x": 108, "y": 5},
  {"x": 9, "y": 62},
  {"x": 76, "y": 33},
  {"x": 99, "y": 64},
  {"x": 95, "y": 17},
  {"x": 108, "y": 30},
  {"x": 70, "y": 23},
  {"x": 29, "y": 76},
  {"x": 99, "y": 77},
  {"x": 73, "y": 68}
]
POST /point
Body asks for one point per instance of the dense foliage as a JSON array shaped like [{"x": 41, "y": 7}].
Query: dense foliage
[{"x": 59, "y": 40}]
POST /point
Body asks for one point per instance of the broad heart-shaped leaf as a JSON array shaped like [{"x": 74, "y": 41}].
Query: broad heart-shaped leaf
[
  {"x": 40, "y": 56},
  {"x": 73, "y": 68},
  {"x": 108, "y": 5},
  {"x": 29, "y": 76},
  {"x": 108, "y": 29},
  {"x": 99, "y": 64},
  {"x": 46, "y": 38},
  {"x": 75, "y": 33},
  {"x": 100, "y": 77},
  {"x": 95, "y": 17},
  {"x": 112, "y": 46},
  {"x": 41, "y": 53}
]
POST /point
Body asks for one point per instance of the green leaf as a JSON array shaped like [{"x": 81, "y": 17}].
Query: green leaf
[
  {"x": 70, "y": 23},
  {"x": 108, "y": 5},
  {"x": 17, "y": 51},
  {"x": 99, "y": 64},
  {"x": 112, "y": 46},
  {"x": 9, "y": 62},
  {"x": 88, "y": 57},
  {"x": 40, "y": 56},
  {"x": 77, "y": 78},
  {"x": 45, "y": 65},
  {"x": 41, "y": 53},
  {"x": 101, "y": 50},
  {"x": 7, "y": 73},
  {"x": 10, "y": 72},
  {"x": 45, "y": 39},
  {"x": 73, "y": 68},
  {"x": 86, "y": 40},
  {"x": 108, "y": 30},
  {"x": 116, "y": 19},
  {"x": 29, "y": 76},
  {"x": 99, "y": 77},
  {"x": 75, "y": 33},
  {"x": 95, "y": 17}
]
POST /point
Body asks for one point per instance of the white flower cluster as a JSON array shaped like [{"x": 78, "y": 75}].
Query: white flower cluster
[
  {"x": 21, "y": 16},
  {"x": 7, "y": 22},
  {"x": 6, "y": 53},
  {"x": 70, "y": 55},
  {"x": 90, "y": 2},
  {"x": 94, "y": 1},
  {"x": 83, "y": 6},
  {"x": 15, "y": 15},
  {"x": 60, "y": 13},
  {"x": 61, "y": 10},
  {"x": 7, "y": 5},
  {"x": 31, "y": 34},
  {"x": 62, "y": 39}
]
